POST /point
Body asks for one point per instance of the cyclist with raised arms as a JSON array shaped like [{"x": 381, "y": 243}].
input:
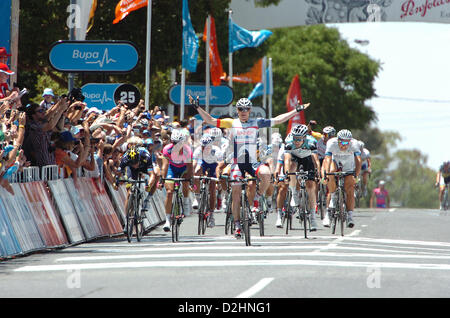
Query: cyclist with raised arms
[
  {"x": 205, "y": 160},
  {"x": 343, "y": 153},
  {"x": 303, "y": 153},
  {"x": 176, "y": 163},
  {"x": 243, "y": 135}
]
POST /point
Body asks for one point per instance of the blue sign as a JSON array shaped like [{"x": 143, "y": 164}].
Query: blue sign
[
  {"x": 100, "y": 95},
  {"x": 93, "y": 56},
  {"x": 220, "y": 95}
]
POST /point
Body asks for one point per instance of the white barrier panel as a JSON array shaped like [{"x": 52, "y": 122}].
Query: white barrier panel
[
  {"x": 88, "y": 221},
  {"x": 9, "y": 243},
  {"x": 22, "y": 221},
  {"x": 67, "y": 211}
]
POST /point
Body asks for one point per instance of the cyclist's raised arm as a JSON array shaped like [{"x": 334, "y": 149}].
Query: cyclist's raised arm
[
  {"x": 206, "y": 117},
  {"x": 286, "y": 116}
]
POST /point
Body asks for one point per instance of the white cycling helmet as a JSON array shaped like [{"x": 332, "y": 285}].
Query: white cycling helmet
[
  {"x": 344, "y": 134},
  {"x": 177, "y": 136},
  {"x": 300, "y": 131},
  {"x": 206, "y": 140},
  {"x": 244, "y": 103},
  {"x": 330, "y": 131},
  {"x": 276, "y": 138},
  {"x": 215, "y": 132}
]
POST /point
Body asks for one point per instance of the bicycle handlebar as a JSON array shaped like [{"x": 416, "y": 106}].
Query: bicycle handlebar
[
  {"x": 206, "y": 178},
  {"x": 340, "y": 173},
  {"x": 131, "y": 181},
  {"x": 176, "y": 179},
  {"x": 246, "y": 180}
]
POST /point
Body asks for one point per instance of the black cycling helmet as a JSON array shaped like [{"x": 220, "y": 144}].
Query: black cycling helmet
[{"x": 133, "y": 155}]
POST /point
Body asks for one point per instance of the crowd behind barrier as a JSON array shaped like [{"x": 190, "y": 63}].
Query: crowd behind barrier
[{"x": 48, "y": 212}]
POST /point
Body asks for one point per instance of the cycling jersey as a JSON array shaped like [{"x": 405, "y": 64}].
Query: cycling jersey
[
  {"x": 445, "y": 173},
  {"x": 243, "y": 137},
  {"x": 365, "y": 154},
  {"x": 208, "y": 157},
  {"x": 178, "y": 154},
  {"x": 145, "y": 163},
  {"x": 302, "y": 155},
  {"x": 321, "y": 148},
  {"x": 381, "y": 196},
  {"x": 346, "y": 158}
]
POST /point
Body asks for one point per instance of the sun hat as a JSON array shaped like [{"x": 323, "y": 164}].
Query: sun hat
[
  {"x": 5, "y": 69},
  {"x": 48, "y": 92},
  {"x": 3, "y": 52}
]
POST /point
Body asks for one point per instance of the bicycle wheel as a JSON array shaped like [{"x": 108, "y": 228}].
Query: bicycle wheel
[
  {"x": 246, "y": 220},
  {"x": 304, "y": 211},
  {"x": 201, "y": 215},
  {"x": 445, "y": 199},
  {"x": 130, "y": 217},
  {"x": 322, "y": 199},
  {"x": 228, "y": 216},
  {"x": 174, "y": 219},
  {"x": 262, "y": 211},
  {"x": 139, "y": 222},
  {"x": 342, "y": 214}
]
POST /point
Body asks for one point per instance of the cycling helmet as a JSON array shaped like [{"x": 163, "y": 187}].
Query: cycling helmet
[
  {"x": 133, "y": 155},
  {"x": 299, "y": 131},
  {"x": 330, "y": 131},
  {"x": 361, "y": 144},
  {"x": 215, "y": 132},
  {"x": 276, "y": 138},
  {"x": 344, "y": 134},
  {"x": 206, "y": 140},
  {"x": 177, "y": 136},
  {"x": 244, "y": 103}
]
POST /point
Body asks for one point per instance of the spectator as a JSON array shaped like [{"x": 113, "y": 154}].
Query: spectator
[
  {"x": 70, "y": 153},
  {"x": 48, "y": 96},
  {"x": 381, "y": 195},
  {"x": 4, "y": 55},
  {"x": 5, "y": 72}
]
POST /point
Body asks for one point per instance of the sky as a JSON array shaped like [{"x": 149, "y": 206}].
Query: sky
[{"x": 413, "y": 86}]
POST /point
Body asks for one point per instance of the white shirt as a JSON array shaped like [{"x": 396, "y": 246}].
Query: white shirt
[{"x": 344, "y": 157}]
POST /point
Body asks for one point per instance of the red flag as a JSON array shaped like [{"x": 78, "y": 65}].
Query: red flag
[
  {"x": 294, "y": 95},
  {"x": 124, "y": 7},
  {"x": 214, "y": 57}
]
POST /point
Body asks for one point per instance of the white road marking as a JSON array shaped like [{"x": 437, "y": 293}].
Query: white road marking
[
  {"x": 226, "y": 263},
  {"x": 256, "y": 288}
]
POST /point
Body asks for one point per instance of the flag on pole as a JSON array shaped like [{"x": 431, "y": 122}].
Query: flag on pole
[
  {"x": 124, "y": 7},
  {"x": 294, "y": 95},
  {"x": 259, "y": 88},
  {"x": 252, "y": 76},
  {"x": 216, "y": 68},
  {"x": 190, "y": 41},
  {"x": 239, "y": 38}
]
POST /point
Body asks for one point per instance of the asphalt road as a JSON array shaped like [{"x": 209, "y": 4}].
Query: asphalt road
[{"x": 389, "y": 253}]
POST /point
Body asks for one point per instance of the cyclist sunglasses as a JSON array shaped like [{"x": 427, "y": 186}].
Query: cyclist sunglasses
[
  {"x": 298, "y": 139},
  {"x": 243, "y": 109},
  {"x": 344, "y": 142}
]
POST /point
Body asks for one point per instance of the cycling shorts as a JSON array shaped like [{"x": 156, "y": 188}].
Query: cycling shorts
[
  {"x": 175, "y": 172},
  {"x": 307, "y": 164},
  {"x": 210, "y": 168}
]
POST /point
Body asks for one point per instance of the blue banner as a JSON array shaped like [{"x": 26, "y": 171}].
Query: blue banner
[
  {"x": 221, "y": 95},
  {"x": 190, "y": 41},
  {"x": 239, "y": 38},
  {"x": 100, "y": 95},
  {"x": 5, "y": 24}
]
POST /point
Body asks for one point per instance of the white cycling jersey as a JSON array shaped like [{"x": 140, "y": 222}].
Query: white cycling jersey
[
  {"x": 346, "y": 158},
  {"x": 210, "y": 155}
]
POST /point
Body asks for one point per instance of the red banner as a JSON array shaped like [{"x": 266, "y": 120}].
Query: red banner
[
  {"x": 216, "y": 68},
  {"x": 124, "y": 7},
  {"x": 294, "y": 95}
]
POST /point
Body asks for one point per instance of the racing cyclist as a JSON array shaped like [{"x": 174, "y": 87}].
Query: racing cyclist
[
  {"x": 243, "y": 134},
  {"x": 343, "y": 153},
  {"x": 303, "y": 153},
  {"x": 442, "y": 180},
  {"x": 176, "y": 163},
  {"x": 205, "y": 160}
]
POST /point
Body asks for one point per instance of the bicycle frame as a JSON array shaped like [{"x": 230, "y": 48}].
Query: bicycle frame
[{"x": 203, "y": 216}]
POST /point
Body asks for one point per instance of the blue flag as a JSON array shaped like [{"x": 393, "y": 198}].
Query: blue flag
[
  {"x": 259, "y": 88},
  {"x": 238, "y": 37},
  {"x": 190, "y": 41}
]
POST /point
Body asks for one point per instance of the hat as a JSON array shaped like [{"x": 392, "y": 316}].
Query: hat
[
  {"x": 5, "y": 69},
  {"x": 93, "y": 110},
  {"x": 48, "y": 91},
  {"x": 66, "y": 136},
  {"x": 157, "y": 117},
  {"x": 146, "y": 132},
  {"x": 7, "y": 150},
  {"x": 154, "y": 127},
  {"x": 148, "y": 141},
  {"x": 3, "y": 52},
  {"x": 382, "y": 182}
]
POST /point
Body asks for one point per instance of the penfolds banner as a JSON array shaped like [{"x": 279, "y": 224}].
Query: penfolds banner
[{"x": 303, "y": 12}]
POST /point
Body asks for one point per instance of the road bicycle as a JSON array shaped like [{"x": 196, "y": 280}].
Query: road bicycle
[
  {"x": 358, "y": 192},
  {"x": 304, "y": 214},
  {"x": 229, "y": 219},
  {"x": 134, "y": 214},
  {"x": 445, "y": 199},
  {"x": 245, "y": 211},
  {"x": 203, "y": 214},
  {"x": 177, "y": 212},
  {"x": 339, "y": 213},
  {"x": 322, "y": 199}
]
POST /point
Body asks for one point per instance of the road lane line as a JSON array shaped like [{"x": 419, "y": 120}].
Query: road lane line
[{"x": 255, "y": 288}]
